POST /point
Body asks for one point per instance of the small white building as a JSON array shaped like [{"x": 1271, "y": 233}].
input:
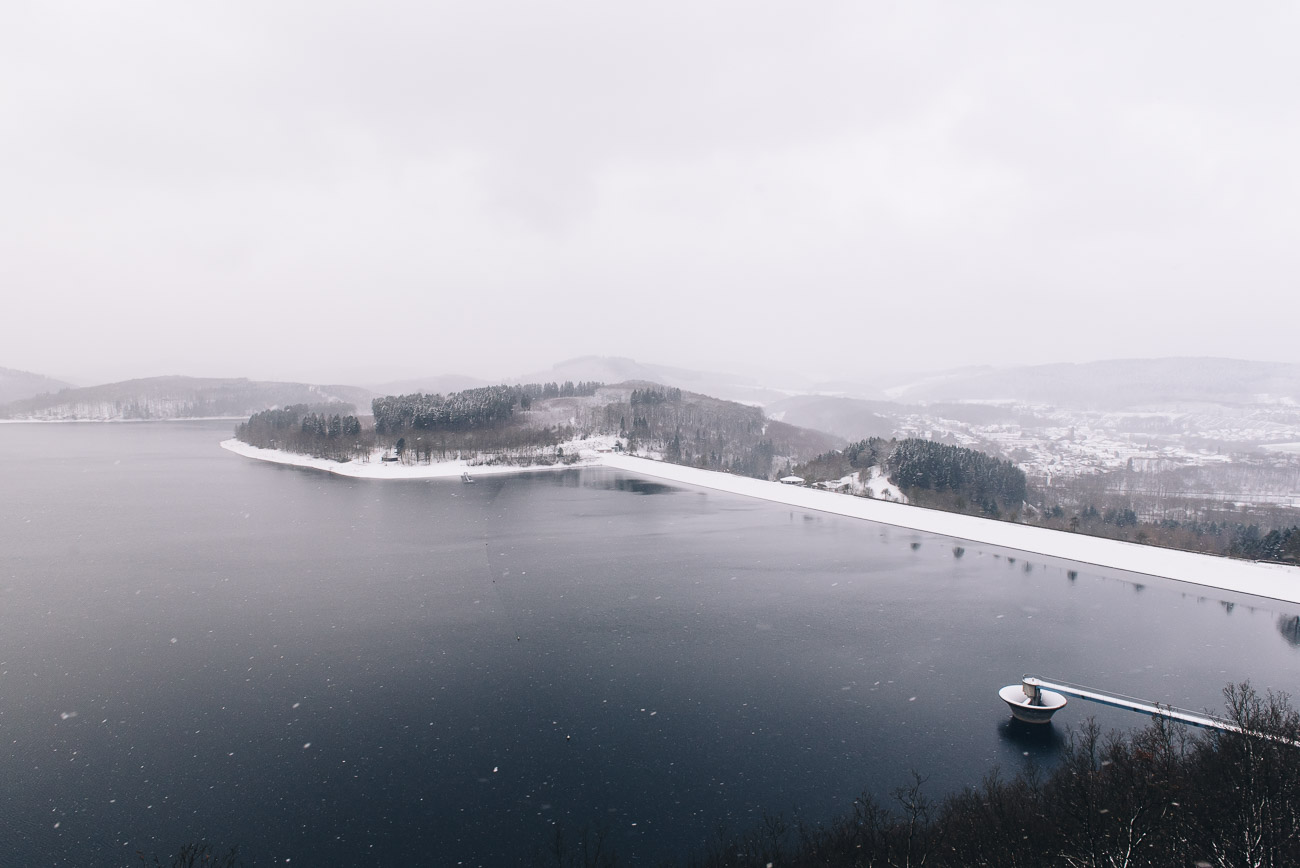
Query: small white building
[{"x": 792, "y": 480}]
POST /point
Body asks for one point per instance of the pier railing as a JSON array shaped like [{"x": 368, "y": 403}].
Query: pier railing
[{"x": 1133, "y": 703}]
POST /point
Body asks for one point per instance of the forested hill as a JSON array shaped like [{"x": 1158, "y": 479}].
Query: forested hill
[
  {"x": 689, "y": 428},
  {"x": 178, "y": 398},
  {"x": 526, "y": 424},
  {"x": 648, "y": 418},
  {"x": 467, "y": 410},
  {"x": 930, "y": 474}
]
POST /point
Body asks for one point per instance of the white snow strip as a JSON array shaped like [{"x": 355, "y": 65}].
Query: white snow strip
[
  {"x": 1247, "y": 577},
  {"x": 395, "y": 470},
  {"x": 1276, "y": 581}
]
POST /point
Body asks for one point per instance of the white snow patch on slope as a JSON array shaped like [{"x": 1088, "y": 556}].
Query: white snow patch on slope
[
  {"x": 882, "y": 489},
  {"x": 877, "y": 485}
]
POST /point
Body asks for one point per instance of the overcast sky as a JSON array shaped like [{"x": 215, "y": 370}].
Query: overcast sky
[{"x": 328, "y": 190}]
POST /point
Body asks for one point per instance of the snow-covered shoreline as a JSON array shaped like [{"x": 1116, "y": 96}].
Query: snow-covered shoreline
[
  {"x": 1247, "y": 577},
  {"x": 396, "y": 470}
]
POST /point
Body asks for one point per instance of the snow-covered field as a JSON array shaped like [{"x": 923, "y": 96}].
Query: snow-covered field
[
  {"x": 876, "y": 485},
  {"x": 1265, "y": 580}
]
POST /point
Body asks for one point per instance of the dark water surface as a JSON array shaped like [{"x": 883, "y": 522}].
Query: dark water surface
[{"x": 345, "y": 672}]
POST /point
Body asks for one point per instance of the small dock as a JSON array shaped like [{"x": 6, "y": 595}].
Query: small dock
[{"x": 1141, "y": 706}]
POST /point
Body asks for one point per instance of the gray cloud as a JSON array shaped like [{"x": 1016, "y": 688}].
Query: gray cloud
[{"x": 300, "y": 189}]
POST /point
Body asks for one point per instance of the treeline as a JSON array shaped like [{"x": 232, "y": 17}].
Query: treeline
[
  {"x": 321, "y": 425},
  {"x": 930, "y": 474},
  {"x": 966, "y": 476},
  {"x": 1237, "y": 539},
  {"x": 654, "y": 396},
  {"x": 1154, "y": 798},
  {"x": 1282, "y": 546},
  {"x": 475, "y": 424},
  {"x": 459, "y": 411},
  {"x": 478, "y": 424},
  {"x": 471, "y": 409},
  {"x": 507, "y": 444},
  {"x": 567, "y": 389},
  {"x": 308, "y": 429},
  {"x": 699, "y": 431}
]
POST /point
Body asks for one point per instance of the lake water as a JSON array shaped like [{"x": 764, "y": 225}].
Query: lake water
[{"x": 334, "y": 671}]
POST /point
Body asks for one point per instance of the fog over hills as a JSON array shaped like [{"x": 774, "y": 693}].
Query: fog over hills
[
  {"x": 438, "y": 384},
  {"x": 843, "y": 407},
  {"x": 17, "y": 385},
  {"x": 1119, "y": 384},
  {"x": 177, "y": 398},
  {"x": 614, "y": 369},
  {"x": 851, "y": 418}
]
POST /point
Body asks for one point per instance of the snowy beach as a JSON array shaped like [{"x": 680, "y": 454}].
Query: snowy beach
[{"x": 1265, "y": 580}]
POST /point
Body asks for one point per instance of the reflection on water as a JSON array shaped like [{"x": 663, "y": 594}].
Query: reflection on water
[
  {"x": 472, "y": 665},
  {"x": 632, "y": 485},
  {"x": 1289, "y": 627},
  {"x": 1035, "y": 740}
]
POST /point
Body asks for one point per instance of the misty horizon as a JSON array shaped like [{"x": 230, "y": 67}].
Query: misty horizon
[
  {"x": 290, "y": 194},
  {"x": 378, "y": 377}
]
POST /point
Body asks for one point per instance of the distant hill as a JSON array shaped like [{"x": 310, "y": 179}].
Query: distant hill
[
  {"x": 17, "y": 385},
  {"x": 179, "y": 398},
  {"x": 850, "y": 418},
  {"x": 854, "y": 419},
  {"x": 615, "y": 369},
  {"x": 1120, "y": 384}
]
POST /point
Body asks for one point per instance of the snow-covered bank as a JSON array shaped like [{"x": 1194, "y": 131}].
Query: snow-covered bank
[
  {"x": 394, "y": 470},
  {"x": 1263, "y": 580}
]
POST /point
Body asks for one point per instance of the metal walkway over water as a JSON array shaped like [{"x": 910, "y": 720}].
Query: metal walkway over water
[{"x": 1142, "y": 706}]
